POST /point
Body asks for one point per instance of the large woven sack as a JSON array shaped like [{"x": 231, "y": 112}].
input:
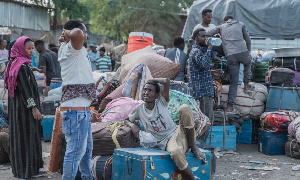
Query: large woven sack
[
  {"x": 103, "y": 137},
  {"x": 248, "y": 105},
  {"x": 118, "y": 109},
  {"x": 114, "y": 95},
  {"x": 160, "y": 67}
]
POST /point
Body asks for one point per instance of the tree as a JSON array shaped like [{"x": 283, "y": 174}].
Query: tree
[
  {"x": 136, "y": 15},
  {"x": 66, "y": 9}
]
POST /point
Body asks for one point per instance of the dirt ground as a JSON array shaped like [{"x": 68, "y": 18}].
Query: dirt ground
[{"x": 229, "y": 166}]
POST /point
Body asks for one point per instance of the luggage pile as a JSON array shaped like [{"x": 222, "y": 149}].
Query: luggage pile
[
  {"x": 273, "y": 103},
  {"x": 279, "y": 126},
  {"x": 110, "y": 132}
]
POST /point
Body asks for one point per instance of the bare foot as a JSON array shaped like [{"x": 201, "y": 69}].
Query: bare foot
[
  {"x": 229, "y": 109},
  {"x": 247, "y": 87},
  {"x": 197, "y": 153}
]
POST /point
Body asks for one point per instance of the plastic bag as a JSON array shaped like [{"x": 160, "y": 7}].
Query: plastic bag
[{"x": 147, "y": 139}]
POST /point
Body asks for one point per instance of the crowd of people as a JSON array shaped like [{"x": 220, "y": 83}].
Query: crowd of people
[{"x": 74, "y": 65}]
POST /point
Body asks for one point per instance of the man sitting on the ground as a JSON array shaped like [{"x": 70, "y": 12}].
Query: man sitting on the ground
[{"x": 156, "y": 119}]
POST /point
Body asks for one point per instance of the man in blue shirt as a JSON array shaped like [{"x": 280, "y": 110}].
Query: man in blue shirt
[
  {"x": 200, "y": 77},
  {"x": 93, "y": 55}
]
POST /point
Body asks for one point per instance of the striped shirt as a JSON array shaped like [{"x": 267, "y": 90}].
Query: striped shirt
[
  {"x": 200, "y": 77},
  {"x": 103, "y": 63}
]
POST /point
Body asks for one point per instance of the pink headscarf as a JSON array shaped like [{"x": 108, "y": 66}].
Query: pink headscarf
[{"x": 18, "y": 57}]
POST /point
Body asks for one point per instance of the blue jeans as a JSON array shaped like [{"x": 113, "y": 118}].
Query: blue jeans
[{"x": 76, "y": 126}]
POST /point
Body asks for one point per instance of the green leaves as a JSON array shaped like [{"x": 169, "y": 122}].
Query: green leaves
[{"x": 135, "y": 15}]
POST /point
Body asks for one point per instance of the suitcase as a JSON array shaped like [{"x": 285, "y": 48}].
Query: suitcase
[
  {"x": 225, "y": 139},
  {"x": 292, "y": 148},
  {"x": 271, "y": 143},
  {"x": 246, "y": 137},
  {"x": 47, "y": 124},
  {"x": 292, "y": 63},
  {"x": 103, "y": 143},
  {"x": 153, "y": 163},
  {"x": 102, "y": 167},
  {"x": 282, "y": 76}
]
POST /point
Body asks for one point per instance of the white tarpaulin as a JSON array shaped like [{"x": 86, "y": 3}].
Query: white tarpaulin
[{"x": 269, "y": 18}]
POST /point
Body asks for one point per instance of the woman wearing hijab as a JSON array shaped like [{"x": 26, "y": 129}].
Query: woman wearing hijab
[{"x": 23, "y": 111}]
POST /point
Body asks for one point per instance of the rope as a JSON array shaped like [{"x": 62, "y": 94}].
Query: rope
[{"x": 114, "y": 128}]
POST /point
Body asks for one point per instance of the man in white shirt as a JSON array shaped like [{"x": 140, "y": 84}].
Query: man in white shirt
[
  {"x": 78, "y": 92},
  {"x": 206, "y": 19},
  {"x": 205, "y": 24}
]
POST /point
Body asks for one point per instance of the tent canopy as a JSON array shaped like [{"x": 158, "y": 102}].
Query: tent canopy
[{"x": 271, "y": 18}]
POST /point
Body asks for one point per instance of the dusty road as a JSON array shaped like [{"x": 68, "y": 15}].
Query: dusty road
[{"x": 228, "y": 166}]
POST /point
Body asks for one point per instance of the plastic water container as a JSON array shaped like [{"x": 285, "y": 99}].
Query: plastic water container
[
  {"x": 215, "y": 41},
  {"x": 139, "y": 40}
]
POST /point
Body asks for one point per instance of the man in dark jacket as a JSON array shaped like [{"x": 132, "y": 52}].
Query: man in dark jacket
[{"x": 236, "y": 44}]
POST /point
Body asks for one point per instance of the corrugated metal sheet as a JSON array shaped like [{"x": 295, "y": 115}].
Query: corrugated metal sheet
[{"x": 16, "y": 15}]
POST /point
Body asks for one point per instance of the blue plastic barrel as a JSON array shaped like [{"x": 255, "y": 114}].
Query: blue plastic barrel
[
  {"x": 55, "y": 83},
  {"x": 283, "y": 98}
]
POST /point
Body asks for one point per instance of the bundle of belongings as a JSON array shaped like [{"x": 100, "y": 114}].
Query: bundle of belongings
[
  {"x": 221, "y": 118},
  {"x": 292, "y": 147},
  {"x": 250, "y": 104},
  {"x": 277, "y": 121}
]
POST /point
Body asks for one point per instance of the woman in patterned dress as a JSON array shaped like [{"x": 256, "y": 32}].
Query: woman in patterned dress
[{"x": 23, "y": 111}]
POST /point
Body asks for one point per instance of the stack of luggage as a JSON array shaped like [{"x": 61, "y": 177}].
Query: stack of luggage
[{"x": 278, "y": 133}]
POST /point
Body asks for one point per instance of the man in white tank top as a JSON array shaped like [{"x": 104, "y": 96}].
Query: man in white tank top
[{"x": 78, "y": 91}]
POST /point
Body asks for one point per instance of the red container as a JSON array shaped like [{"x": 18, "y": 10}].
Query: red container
[{"x": 139, "y": 40}]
